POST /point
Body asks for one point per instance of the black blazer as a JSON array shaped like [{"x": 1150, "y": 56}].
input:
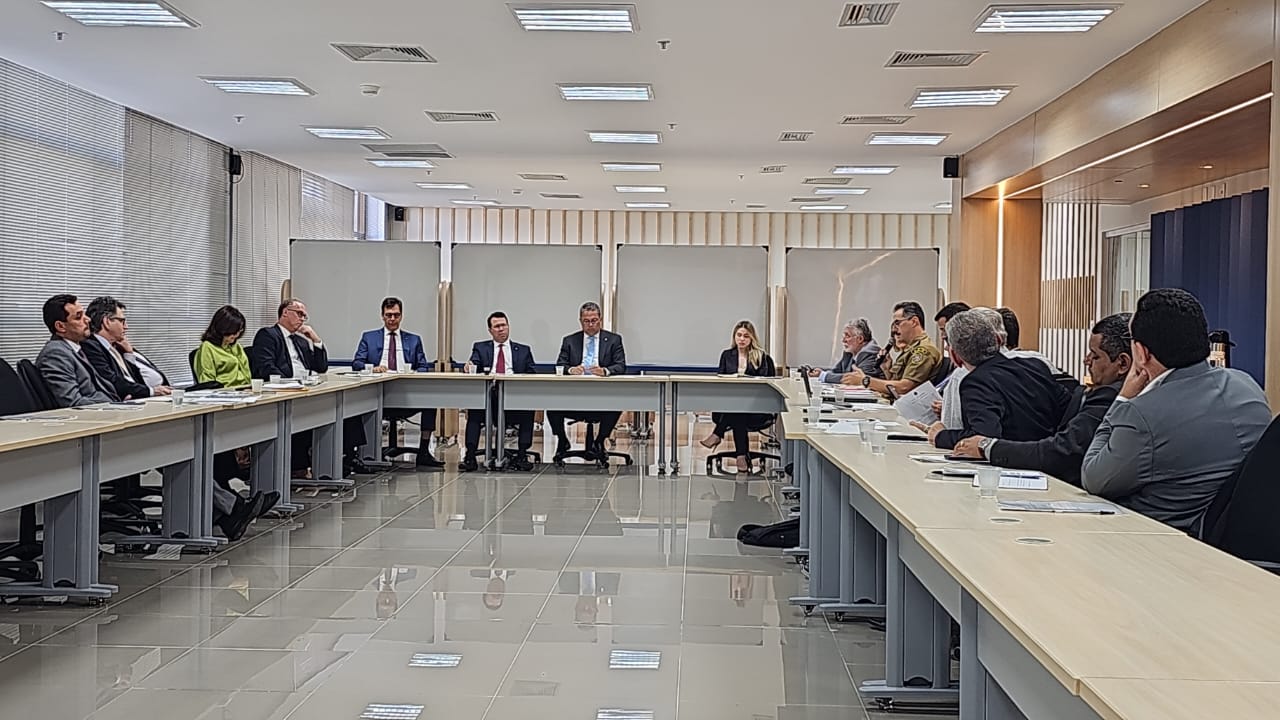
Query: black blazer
[
  {"x": 729, "y": 365},
  {"x": 269, "y": 356},
  {"x": 521, "y": 360},
  {"x": 1008, "y": 399},
  {"x": 609, "y": 352},
  {"x": 1062, "y": 453},
  {"x": 126, "y": 385}
]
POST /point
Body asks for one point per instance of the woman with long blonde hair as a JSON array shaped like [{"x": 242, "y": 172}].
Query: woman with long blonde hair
[{"x": 746, "y": 357}]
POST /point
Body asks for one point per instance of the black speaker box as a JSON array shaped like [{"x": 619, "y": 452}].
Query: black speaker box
[
  {"x": 398, "y": 214},
  {"x": 235, "y": 164},
  {"x": 951, "y": 166}
]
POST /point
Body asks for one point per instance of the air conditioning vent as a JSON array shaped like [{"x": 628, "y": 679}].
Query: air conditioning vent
[
  {"x": 561, "y": 196},
  {"x": 547, "y": 177},
  {"x": 867, "y": 14},
  {"x": 442, "y": 116},
  {"x": 795, "y": 136},
  {"x": 827, "y": 181},
  {"x": 904, "y": 59},
  {"x": 424, "y": 150},
  {"x": 810, "y": 199},
  {"x": 772, "y": 169},
  {"x": 383, "y": 53},
  {"x": 875, "y": 119},
  {"x": 756, "y": 206}
]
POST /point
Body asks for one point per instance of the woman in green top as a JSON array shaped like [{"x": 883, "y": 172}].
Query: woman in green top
[{"x": 220, "y": 357}]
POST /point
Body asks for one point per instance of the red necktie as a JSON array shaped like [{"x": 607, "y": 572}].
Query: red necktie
[
  {"x": 501, "y": 367},
  {"x": 391, "y": 353}
]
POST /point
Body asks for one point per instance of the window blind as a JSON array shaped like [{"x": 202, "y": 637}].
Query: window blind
[
  {"x": 328, "y": 209},
  {"x": 267, "y": 214}
]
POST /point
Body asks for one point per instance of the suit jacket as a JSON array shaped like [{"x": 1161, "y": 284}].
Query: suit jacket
[
  {"x": 125, "y": 384},
  {"x": 411, "y": 353},
  {"x": 1008, "y": 399},
  {"x": 865, "y": 361},
  {"x": 135, "y": 358},
  {"x": 1062, "y": 453},
  {"x": 609, "y": 352},
  {"x": 729, "y": 365},
  {"x": 72, "y": 381},
  {"x": 520, "y": 362},
  {"x": 1167, "y": 452},
  {"x": 269, "y": 356}
]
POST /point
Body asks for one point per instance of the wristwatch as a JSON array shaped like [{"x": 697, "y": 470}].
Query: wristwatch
[
  {"x": 866, "y": 381},
  {"x": 985, "y": 445}
]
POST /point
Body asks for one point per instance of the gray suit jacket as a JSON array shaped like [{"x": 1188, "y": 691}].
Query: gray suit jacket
[
  {"x": 1167, "y": 452},
  {"x": 68, "y": 377},
  {"x": 865, "y": 361}
]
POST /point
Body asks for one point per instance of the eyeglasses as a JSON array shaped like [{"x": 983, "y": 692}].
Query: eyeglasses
[
  {"x": 391, "y": 315},
  {"x": 298, "y": 312},
  {"x": 119, "y": 318}
]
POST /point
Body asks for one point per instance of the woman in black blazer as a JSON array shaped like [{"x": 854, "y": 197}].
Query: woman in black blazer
[{"x": 746, "y": 357}]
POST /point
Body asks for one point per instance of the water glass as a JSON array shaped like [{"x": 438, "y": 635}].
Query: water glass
[
  {"x": 273, "y": 379},
  {"x": 865, "y": 428},
  {"x": 560, "y": 370},
  {"x": 256, "y": 385},
  {"x": 840, "y": 395},
  {"x": 988, "y": 481},
  {"x": 879, "y": 441},
  {"x": 366, "y": 370},
  {"x": 178, "y": 395}
]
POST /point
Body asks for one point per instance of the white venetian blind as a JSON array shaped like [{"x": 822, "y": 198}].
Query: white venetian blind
[
  {"x": 267, "y": 215},
  {"x": 176, "y": 246},
  {"x": 328, "y": 209},
  {"x": 61, "y": 201}
]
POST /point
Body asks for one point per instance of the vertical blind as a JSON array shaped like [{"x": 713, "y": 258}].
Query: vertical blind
[
  {"x": 267, "y": 214},
  {"x": 328, "y": 209}
]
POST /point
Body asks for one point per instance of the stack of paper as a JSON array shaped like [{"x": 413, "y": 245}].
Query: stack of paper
[
  {"x": 917, "y": 405},
  {"x": 1061, "y": 506},
  {"x": 1021, "y": 480}
]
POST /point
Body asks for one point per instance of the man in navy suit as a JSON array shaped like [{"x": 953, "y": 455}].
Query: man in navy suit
[
  {"x": 591, "y": 352},
  {"x": 501, "y": 357},
  {"x": 390, "y": 349}
]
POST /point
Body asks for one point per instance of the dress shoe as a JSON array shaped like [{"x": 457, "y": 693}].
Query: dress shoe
[
  {"x": 562, "y": 447},
  {"x": 269, "y": 501},
  {"x": 468, "y": 464},
  {"x": 235, "y": 523},
  {"x": 521, "y": 463},
  {"x": 425, "y": 459},
  {"x": 358, "y": 467}
]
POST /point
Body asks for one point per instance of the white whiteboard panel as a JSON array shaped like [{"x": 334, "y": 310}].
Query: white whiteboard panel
[
  {"x": 827, "y": 288},
  {"x": 343, "y": 283},
  {"x": 678, "y": 305},
  {"x": 539, "y": 287}
]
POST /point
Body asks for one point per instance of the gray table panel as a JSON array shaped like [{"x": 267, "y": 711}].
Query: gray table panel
[
  {"x": 147, "y": 447},
  {"x": 868, "y": 508},
  {"x": 728, "y": 397},
  {"x": 243, "y": 427},
  {"x": 40, "y": 472},
  {"x": 418, "y": 391},
  {"x": 935, "y": 579},
  {"x": 587, "y": 395},
  {"x": 312, "y": 412},
  {"x": 1035, "y": 692},
  {"x": 361, "y": 400}
]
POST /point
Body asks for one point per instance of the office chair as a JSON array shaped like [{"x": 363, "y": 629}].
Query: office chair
[
  {"x": 1241, "y": 519},
  {"x": 508, "y": 433},
  {"x": 18, "y": 561},
  {"x": 716, "y": 460},
  {"x": 393, "y": 434},
  {"x": 586, "y": 453},
  {"x": 945, "y": 368}
]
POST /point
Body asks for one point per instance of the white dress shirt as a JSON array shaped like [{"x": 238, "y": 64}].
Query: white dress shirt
[
  {"x": 386, "y": 348},
  {"x": 506, "y": 357},
  {"x": 299, "y": 369},
  {"x": 150, "y": 376},
  {"x": 115, "y": 354}
]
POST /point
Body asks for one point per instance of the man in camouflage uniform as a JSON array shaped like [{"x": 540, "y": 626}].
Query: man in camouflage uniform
[{"x": 915, "y": 366}]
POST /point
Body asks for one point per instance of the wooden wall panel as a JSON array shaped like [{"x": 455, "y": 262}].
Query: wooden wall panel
[
  {"x": 1022, "y": 228},
  {"x": 973, "y": 271}
]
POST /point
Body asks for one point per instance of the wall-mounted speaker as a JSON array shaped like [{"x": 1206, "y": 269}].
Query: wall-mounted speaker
[
  {"x": 235, "y": 164},
  {"x": 398, "y": 214},
  {"x": 951, "y": 166}
]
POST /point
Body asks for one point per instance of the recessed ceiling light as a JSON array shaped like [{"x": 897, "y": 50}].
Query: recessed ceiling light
[
  {"x": 1118, "y": 180},
  {"x": 391, "y": 163},
  {"x": 347, "y": 133},
  {"x": 648, "y": 205},
  {"x": 1144, "y": 186},
  {"x": 823, "y": 207},
  {"x": 942, "y": 206},
  {"x": 632, "y": 138},
  {"x": 959, "y": 97},
  {"x": 435, "y": 660},
  {"x": 623, "y": 714},
  {"x": 634, "y": 659},
  {"x": 605, "y": 91},
  {"x": 1206, "y": 167},
  {"x": 576, "y": 17},
  {"x": 631, "y": 167},
  {"x": 640, "y": 188},
  {"x": 259, "y": 86},
  {"x": 482, "y": 203},
  {"x": 1042, "y": 18},
  {"x": 840, "y": 191},
  {"x": 388, "y": 711},
  {"x": 443, "y": 186},
  {"x": 907, "y": 138},
  {"x": 863, "y": 169},
  {"x": 121, "y": 13}
]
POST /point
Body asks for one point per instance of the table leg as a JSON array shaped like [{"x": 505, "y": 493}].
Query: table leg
[
  {"x": 662, "y": 429},
  {"x": 326, "y": 453},
  {"x": 824, "y": 538},
  {"x": 71, "y": 539},
  {"x": 675, "y": 427},
  {"x": 800, "y": 476},
  {"x": 497, "y": 454},
  {"x": 857, "y": 571}
]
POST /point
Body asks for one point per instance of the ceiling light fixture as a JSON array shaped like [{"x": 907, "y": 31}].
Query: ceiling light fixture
[
  {"x": 605, "y": 91},
  {"x": 1144, "y": 186},
  {"x": 435, "y": 660},
  {"x": 443, "y": 186},
  {"x": 907, "y": 138},
  {"x": 624, "y": 137},
  {"x": 648, "y": 205},
  {"x": 347, "y": 133},
  {"x": 863, "y": 169},
  {"x": 634, "y": 659},
  {"x": 840, "y": 191},
  {"x": 631, "y": 167},
  {"x": 942, "y": 206},
  {"x": 388, "y": 711},
  {"x": 640, "y": 188},
  {"x": 480, "y": 203},
  {"x": 389, "y": 163},
  {"x": 573, "y": 17},
  {"x": 959, "y": 97},
  {"x": 1206, "y": 167},
  {"x": 259, "y": 86},
  {"x": 828, "y": 208},
  {"x": 1042, "y": 18},
  {"x": 121, "y": 13}
]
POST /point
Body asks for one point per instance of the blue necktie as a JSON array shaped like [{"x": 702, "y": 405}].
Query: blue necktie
[{"x": 590, "y": 360}]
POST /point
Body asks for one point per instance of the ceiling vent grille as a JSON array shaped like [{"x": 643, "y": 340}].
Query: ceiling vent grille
[
  {"x": 772, "y": 169},
  {"x": 827, "y": 181},
  {"x": 383, "y": 53},
  {"x": 548, "y": 177},
  {"x": 442, "y": 116},
  {"x": 867, "y": 14},
  {"x": 425, "y": 150},
  {"x": 875, "y": 119},
  {"x": 904, "y": 59},
  {"x": 810, "y": 199},
  {"x": 561, "y": 196},
  {"x": 795, "y": 136},
  {"x": 756, "y": 206}
]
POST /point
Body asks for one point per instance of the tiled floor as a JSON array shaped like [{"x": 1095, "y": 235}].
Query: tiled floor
[{"x": 532, "y": 584}]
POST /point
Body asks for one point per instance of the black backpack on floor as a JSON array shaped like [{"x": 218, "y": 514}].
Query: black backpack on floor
[{"x": 785, "y": 534}]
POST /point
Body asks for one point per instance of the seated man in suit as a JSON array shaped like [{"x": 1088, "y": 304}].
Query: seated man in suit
[
  {"x": 108, "y": 323},
  {"x": 1060, "y": 455},
  {"x": 1001, "y": 397},
  {"x": 860, "y": 351},
  {"x": 916, "y": 365},
  {"x": 1179, "y": 427},
  {"x": 503, "y": 357},
  {"x": 591, "y": 352},
  {"x": 390, "y": 349},
  {"x": 62, "y": 362}
]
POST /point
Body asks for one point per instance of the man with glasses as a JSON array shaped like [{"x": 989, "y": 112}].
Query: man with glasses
[
  {"x": 110, "y": 326},
  {"x": 917, "y": 363},
  {"x": 290, "y": 348}
]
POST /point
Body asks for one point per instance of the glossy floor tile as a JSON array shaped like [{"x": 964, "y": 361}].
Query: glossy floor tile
[{"x": 566, "y": 594}]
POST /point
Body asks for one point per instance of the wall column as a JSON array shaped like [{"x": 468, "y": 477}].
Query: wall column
[{"x": 1273, "y": 235}]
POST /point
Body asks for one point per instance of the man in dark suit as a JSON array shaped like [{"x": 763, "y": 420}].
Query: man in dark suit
[
  {"x": 390, "y": 349},
  {"x": 109, "y": 324},
  {"x": 62, "y": 362},
  {"x": 1060, "y": 455},
  {"x": 1001, "y": 397},
  {"x": 501, "y": 357},
  {"x": 591, "y": 352}
]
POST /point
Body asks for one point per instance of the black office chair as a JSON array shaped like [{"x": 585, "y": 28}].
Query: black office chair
[
  {"x": 393, "y": 434},
  {"x": 36, "y": 386},
  {"x": 715, "y": 461},
  {"x": 586, "y": 453},
  {"x": 18, "y": 559},
  {"x": 1241, "y": 520},
  {"x": 509, "y": 433},
  {"x": 945, "y": 368}
]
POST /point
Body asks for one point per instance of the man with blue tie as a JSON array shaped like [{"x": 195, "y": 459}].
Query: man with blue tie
[
  {"x": 595, "y": 352},
  {"x": 390, "y": 349},
  {"x": 502, "y": 357}
]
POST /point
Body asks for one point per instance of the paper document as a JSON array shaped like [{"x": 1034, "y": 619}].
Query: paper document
[
  {"x": 1061, "y": 506},
  {"x": 917, "y": 405},
  {"x": 38, "y": 417},
  {"x": 936, "y": 458},
  {"x": 844, "y": 427},
  {"x": 282, "y": 386},
  {"x": 1020, "y": 480}
]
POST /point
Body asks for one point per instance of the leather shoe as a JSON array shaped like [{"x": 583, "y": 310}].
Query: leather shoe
[
  {"x": 425, "y": 459},
  {"x": 235, "y": 523},
  {"x": 359, "y": 468},
  {"x": 521, "y": 463},
  {"x": 269, "y": 501},
  {"x": 562, "y": 447},
  {"x": 468, "y": 464}
]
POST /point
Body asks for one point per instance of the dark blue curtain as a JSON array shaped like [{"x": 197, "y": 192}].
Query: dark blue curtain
[{"x": 1218, "y": 251}]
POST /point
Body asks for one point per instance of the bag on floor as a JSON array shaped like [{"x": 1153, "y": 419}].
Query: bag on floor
[{"x": 785, "y": 534}]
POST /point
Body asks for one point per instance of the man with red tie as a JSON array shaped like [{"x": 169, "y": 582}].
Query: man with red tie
[{"x": 501, "y": 357}]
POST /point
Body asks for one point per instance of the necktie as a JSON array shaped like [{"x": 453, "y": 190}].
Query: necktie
[
  {"x": 591, "y": 352},
  {"x": 392, "y": 354},
  {"x": 501, "y": 366}
]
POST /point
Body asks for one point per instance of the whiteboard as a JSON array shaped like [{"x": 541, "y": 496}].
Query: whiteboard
[
  {"x": 678, "y": 305},
  {"x": 826, "y": 288},
  {"x": 539, "y": 287},
  {"x": 343, "y": 283}
]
